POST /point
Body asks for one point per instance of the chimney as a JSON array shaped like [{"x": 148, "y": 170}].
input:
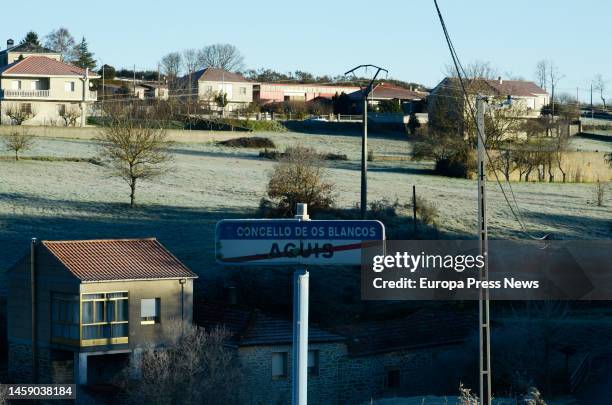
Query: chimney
[
  {"x": 9, "y": 43},
  {"x": 499, "y": 79}
]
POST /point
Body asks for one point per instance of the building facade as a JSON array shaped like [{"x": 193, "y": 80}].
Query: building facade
[
  {"x": 208, "y": 84},
  {"x": 279, "y": 92},
  {"x": 90, "y": 306},
  {"x": 45, "y": 90}
]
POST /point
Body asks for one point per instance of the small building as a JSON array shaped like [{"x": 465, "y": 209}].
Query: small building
[
  {"x": 353, "y": 364},
  {"x": 208, "y": 84},
  {"x": 406, "y": 99},
  {"x": 279, "y": 92},
  {"x": 79, "y": 311},
  {"x": 47, "y": 91},
  {"x": 264, "y": 346}
]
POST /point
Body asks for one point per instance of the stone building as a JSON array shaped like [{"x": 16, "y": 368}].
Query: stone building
[
  {"x": 88, "y": 306},
  {"x": 406, "y": 356}
]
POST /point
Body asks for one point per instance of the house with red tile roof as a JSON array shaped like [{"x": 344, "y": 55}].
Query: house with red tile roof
[
  {"x": 90, "y": 305},
  {"x": 407, "y": 99},
  {"x": 47, "y": 91}
]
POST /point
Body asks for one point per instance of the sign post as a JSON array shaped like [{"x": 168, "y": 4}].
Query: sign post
[
  {"x": 296, "y": 242},
  {"x": 299, "y": 369}
]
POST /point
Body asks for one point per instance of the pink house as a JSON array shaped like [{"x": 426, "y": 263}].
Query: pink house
[{"x": 278, "y": 92}]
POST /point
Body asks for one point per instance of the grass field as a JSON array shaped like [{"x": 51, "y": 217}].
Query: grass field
[{"x": 68, "y": 200}]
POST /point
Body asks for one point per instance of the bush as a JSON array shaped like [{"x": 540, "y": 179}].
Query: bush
[
  {"x": 276, "y": 155},
  {"x": 299, "y": 177},
  {"x": 248, "y": 142}
]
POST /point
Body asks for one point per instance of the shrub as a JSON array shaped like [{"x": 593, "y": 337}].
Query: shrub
[
  {"x": 600, "y": 193},
  {"x": 248, "y": 142},
  {"x": 426, "y": 211},
  {"x": 276, "y": 155},
  {"x": 299, "y": 177}
]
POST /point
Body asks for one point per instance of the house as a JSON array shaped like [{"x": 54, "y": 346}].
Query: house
[
  {"x": 353, "y": 364},
  {"x": 90, "y": 305},
  {"x": 524, "y": 94},
  {"x": 407, "y": 99},
  {"x": 279, "y": 92},
  {"x": 264, "y": 346},
  {"x": 14, "y": 53},
  {"x": 208, "y": 84},
  {"x": 42, "y": 87}
]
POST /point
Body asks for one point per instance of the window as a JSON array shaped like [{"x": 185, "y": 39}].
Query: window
[
  {"x": 69, "y": 86},
  {"x": 243, "y": 91},
  {"x": 393, "y": 378},
  {"x": 104, "y": 316},
  {"x": 61, "y": 109},
  {"x": 149, "y": 311},
  {"x": 16, "y": 84},
  {"x": 279, "y": 365},
  {"x": 26, "y": 108},
  {"x": 313, "y": 362},
  {"x": 64, "y": 317}
]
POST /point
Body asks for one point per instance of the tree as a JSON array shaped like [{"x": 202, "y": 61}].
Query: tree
[
  {"x": 541, "y": 74},
  {"x": 18, "y": 141},
  {"x": 390, "y": 106},
  {"x": 191, "y": 60},
  {"x": 70, "y": 115},
  {"x": 107, "y": 71},
  {"x": 221, "y": 56},
  {"x": 31, "y": 38},
  {"x": 299, "y": 177},
  {"x": 137, "y": 148},
  {"x": 83, "y": 57},
  {"x": 195, "y": 367},
  {"x": 62, "y": 41},
  {"x": 599, "y": 85},
  {"x": 171, "y": 67},
  {"x": 19, "y": 113},
  {"x": 221, "y": 100}
]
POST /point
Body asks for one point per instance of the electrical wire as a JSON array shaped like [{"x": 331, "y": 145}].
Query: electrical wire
[{"x": 460, "y": 71}]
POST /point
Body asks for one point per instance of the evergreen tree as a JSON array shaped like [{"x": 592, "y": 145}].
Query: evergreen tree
[
  {"x": 84, "y": 59},
  {"x": 31, "y": 38}
]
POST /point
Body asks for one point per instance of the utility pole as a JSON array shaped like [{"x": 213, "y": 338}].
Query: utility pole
[
  {"x": 591, "y": 100},
  {"x": 134, "y": 81},
  {"x": 483, "y": 298},
  {"x": 364, "y": 139}
]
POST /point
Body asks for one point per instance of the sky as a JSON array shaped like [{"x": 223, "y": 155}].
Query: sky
[{"x": 331, "y": 37}]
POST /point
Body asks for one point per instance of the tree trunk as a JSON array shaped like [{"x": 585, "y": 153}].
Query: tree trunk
[
  {"x": 16, "y": 155},
  {"x": 132, "y": 191}
]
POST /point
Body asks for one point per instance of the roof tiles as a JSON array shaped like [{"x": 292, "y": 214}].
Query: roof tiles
[
  {"x": 118, "y": 259},
  {"x": 42, "y": 65}
]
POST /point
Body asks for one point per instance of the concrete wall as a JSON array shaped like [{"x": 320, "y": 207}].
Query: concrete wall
[
  {"x": 260, "y": 388},
  {"x": 45, "y": 112}
]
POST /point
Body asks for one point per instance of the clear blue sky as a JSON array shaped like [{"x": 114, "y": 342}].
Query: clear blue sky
[{"x": 332, "y": 36}]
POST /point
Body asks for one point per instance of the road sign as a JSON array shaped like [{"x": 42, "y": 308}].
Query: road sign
[{"x": 294, "y": 241}]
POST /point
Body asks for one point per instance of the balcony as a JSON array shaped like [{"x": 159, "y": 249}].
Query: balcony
[{"x": 25, "y": 93}]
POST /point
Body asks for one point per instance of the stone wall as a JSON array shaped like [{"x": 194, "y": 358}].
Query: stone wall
[{"x": 260, "y": 388}]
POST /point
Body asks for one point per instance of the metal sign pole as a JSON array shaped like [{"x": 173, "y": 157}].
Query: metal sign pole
[{"x": 299, "y": 373}]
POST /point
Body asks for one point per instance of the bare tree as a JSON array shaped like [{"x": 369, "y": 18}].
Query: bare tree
[
  {"x": 18, "y": 113},
  {"x": 299, "y": 177},
  {"x": 18, "y": 141},
  {"x": 171, "y": 65},
  {"x": 137, "y": 148},
  {"x": 191, "y": 61},
  {"x": 62, "y": 41},
  {"x": 221, "y": 56},
  {"x": 599, "y": 85},
  {"x": 70, "y": 115},
  {"x": 541, "y": 74},
  {"x": 195, "y": 367}
]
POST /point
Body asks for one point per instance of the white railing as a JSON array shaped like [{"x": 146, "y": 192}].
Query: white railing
[{"x": 25, "y": 93}]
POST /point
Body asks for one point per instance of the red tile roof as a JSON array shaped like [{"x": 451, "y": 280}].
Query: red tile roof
[
  {"x": 42, "y": 65},
  {"x": 387, "y": 91},
  {"x": 118, "y": 259}
]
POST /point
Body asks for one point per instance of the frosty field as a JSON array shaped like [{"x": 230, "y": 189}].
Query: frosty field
[{"x": 69, "y": 200}]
